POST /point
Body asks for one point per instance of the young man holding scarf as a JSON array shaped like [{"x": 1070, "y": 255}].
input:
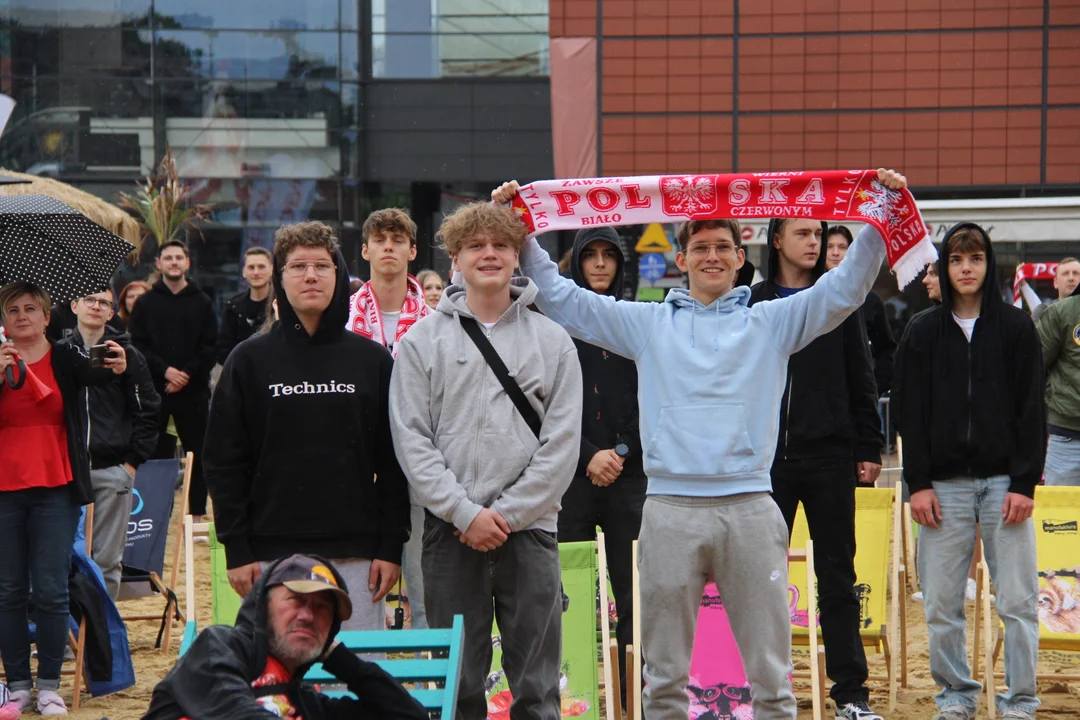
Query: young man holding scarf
[
  {"x": 713, "y": 372},
  {"x": 490, "y": 469},
  {"x": 383, "y": 309},
  {"x": 972, "y": 417},
  {"x": 830, "y": 436}
]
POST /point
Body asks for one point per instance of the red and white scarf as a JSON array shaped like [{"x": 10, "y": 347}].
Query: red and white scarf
[
  {"x": 1032, "y": 271},
  {"x": 365, "y": 316},
  {"x": 854, "y": 195}
]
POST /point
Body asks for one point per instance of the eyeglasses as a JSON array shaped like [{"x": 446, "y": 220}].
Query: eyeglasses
[
  {"x": 298, "y": 269},
  {"x": 93, "y": 302},
  {"x": 703, "y": 250}
]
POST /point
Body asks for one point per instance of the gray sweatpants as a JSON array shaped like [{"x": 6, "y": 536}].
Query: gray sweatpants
[
  {"x": 112, "y": 510},
  {"x": 741, "y": 541},
  {"x": 520, "y": 586}
]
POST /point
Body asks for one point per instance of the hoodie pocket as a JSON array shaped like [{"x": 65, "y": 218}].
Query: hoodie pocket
[{"x": 701, "y": 440}]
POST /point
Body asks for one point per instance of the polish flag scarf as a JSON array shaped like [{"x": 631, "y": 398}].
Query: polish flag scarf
[
  {"x": 365, "y": 316},
  {"x": 852, "y": 195},
  {"x": 1031, "y": 271}
]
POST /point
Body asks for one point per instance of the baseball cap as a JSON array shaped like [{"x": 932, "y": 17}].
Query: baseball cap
[{"x": 305, "y": 575}]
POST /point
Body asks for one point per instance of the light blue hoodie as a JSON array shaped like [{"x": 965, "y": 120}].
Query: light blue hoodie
[{"x": 711, "y": 378}]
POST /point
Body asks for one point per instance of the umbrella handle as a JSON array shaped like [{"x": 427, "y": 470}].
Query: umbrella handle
[{"x": 11, "y": 381}]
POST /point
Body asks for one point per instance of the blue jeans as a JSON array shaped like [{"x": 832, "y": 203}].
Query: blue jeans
[
  {"x": 944, "y": 556},
  {"x": 37, "y": 531},
  {"x": 1062, "y": 461}
]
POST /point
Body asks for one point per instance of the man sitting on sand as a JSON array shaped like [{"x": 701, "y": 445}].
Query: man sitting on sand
[{"x": 286, "y": 624}]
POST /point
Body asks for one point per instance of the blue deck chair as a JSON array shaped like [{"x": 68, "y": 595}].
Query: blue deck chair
[{"x": 441, "y": 670}]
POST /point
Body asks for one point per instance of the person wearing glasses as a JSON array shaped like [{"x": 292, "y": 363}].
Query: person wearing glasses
[
  {"x": 175, "y": 328},
  {"x": 300, "y": 429},
  {"x": 123, "y": 432}
]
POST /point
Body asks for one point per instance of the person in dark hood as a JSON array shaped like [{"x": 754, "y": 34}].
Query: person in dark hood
[
  {"x": 608, "y": 489},
  {"x": 123, "y": 433},
  {"x": 287, "y": 623},
  {"x": 878, "y": 332},
  {"x": 830, "y": 434},
  {"x": 299, "y": 429},
  {"x": 973, "y": 420},
  {"x": 175, "y": 329}
]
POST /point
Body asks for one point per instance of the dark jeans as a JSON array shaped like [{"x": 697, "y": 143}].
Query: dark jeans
[
  {"x": 518, "y": 585},
  {"x": 826, "y": 489},
  {"x": 37, "y": 531},
  {"x": 190, "y": 412},
  {"x": 617, "y": 510}
]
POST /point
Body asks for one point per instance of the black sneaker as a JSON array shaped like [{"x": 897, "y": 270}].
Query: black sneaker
[{"x": 857, "y": 711}]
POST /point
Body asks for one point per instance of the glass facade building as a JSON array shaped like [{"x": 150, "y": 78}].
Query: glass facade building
[{"x": 278, "y": 111}]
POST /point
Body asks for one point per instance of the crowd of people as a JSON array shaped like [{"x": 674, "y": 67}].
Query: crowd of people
[{"x": 353, "y": 436}]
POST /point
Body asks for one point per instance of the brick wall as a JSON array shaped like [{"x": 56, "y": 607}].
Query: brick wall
[{"x": 952, "y": 91}]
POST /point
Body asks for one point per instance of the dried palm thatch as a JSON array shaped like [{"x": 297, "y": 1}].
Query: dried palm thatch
[
  {"x": 103, "y": 213},
  {"x": 162, "y": 203}
]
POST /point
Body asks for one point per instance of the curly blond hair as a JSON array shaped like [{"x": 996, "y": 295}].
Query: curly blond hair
[{"x": 476, "y": 218}]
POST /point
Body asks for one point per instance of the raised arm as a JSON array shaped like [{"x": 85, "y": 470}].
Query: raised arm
[
  {"x": 552, "y": 466},
  {"x": 619, "y": 326},
  {"x": 797, "y": 320},
  {"x": 432, "y": 484}
]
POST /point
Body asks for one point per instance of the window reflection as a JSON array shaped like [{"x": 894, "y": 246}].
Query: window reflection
[
  {"x": 245, "y": 14},
  {"x": 260, "y": 54}
]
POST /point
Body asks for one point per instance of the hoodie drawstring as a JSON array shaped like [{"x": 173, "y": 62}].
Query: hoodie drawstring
[
  {"x": 460, "y": 338},
  {"x": 693, "y": 312},
  {"x": 716, "y": 338},
  {"x": 517, "y": 341}
]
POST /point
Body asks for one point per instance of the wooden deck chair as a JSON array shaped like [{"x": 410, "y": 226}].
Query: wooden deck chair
[
  {"x": 609, "y": 645},
  {"x": 189, "y": 531},
  {"x": 224, "y": 602},
  {"x": 145, "y": 563},
  {"x": 1057, "y": 520},
  {"x": 880, "y": 577},
  {"x": 634, "y": 653},
  {"x": 444, "y": 671},
  {"x": 77, "y": 641}
]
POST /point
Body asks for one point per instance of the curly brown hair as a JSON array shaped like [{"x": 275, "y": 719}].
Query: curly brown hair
[
  {"x": 309, "y": 234},
  {"x": 475, "y": 218},
  {"x": 391, "y": 220}
]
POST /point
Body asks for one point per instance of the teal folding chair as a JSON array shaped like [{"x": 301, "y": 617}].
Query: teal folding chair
[{"x": 444, "y": 671}]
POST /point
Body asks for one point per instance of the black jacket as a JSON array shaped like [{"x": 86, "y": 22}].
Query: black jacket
[
  {"x": 882, "y": 342},
  {"x": 124, "y": 412},
  {"x": 71, "y": 367},
  {"x": 971, "y": 409},
  {"x": 242, "y": 318},
  {"x": 177, "y": 331},
  {"x": 212, "y": 681},
  {"x": 829, "y": 408},
  {"x": 299, "y": 428},
  {"x": 610, "y": 408}
]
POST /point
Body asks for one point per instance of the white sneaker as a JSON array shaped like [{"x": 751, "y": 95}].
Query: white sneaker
[
  {"x": 200, "y": 540},
  {"x": 49, "y": 703},
  {"x": 1017, "y": 714},
  {"x": 972, "y": 592},
  {"x": 21, "y": 698}
]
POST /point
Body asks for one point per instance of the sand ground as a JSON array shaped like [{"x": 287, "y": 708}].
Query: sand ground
[{"x": 1060, "y": 700}]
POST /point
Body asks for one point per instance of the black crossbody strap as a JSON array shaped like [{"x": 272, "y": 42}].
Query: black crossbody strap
[{"x": 517, "y": 395}]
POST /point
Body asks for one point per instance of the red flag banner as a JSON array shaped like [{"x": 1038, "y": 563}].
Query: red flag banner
[
  {"x": 833, "y": 195},
  {"x": 1032, "y": 271}
]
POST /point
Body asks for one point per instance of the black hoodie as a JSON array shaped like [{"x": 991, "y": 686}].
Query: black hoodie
[
  {"x": 213, "y": 680},
  {"x": 971, "y": 409},
  {"x": 176, "y": 330},
  {"x": 299, "y": 429},
  {"x": 830, "y": 393},
  {"x": 610, "y": 408},
  {"x": 241, "y": 319}
]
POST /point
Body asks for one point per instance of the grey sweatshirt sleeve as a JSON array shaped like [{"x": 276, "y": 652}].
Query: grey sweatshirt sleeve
[
  {"x": 552, "y": 466},
  {"x": 431, "y": 483}
]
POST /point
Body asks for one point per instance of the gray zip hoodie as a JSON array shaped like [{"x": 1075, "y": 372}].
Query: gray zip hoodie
[{"x": 460, "y": 440}]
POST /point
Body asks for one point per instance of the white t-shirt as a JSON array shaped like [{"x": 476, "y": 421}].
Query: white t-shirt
[
  {"x": 488, "y": 325},
  {"x": 966, "y": 324},
  {"x": 389, "y": 327}
]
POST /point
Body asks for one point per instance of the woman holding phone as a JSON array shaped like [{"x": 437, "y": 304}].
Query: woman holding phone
[{"x": 45, "y": 480}]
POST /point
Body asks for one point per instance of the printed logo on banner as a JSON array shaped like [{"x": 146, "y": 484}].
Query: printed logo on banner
[
  {"x": 1055, "y": 526},
  {"x": 689, "y": 195},
  {"x": 138, "y": 528}
]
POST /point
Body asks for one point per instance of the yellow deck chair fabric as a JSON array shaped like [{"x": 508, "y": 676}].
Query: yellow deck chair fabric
[
  {"x": 873, "y": 528},
  {"x": 1057, "y": 542}
]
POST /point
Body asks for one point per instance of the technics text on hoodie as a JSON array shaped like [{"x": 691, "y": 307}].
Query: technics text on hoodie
[
  {"x": 712, "y": 376},
  {"x": 461, "y": 441},
  {"x": 971, "y": 409},
  {"x": 299, "y": 430}
]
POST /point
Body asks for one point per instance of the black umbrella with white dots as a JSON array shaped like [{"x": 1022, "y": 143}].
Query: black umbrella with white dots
[{"x": 47, "y": 243}]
